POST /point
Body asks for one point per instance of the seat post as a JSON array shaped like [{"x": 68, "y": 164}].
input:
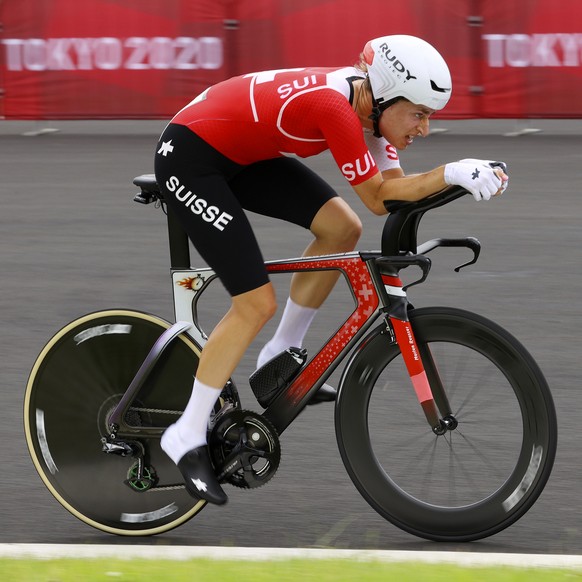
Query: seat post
[{"x": 178, "y": 239}]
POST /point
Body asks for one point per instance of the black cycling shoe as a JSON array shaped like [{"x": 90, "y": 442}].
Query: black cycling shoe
[
  {"x": 199, "y": 476},
  {"x": 326, "y": 393}
]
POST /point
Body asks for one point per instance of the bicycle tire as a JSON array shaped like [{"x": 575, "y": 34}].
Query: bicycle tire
[
  {"x": 471, "y": 482},
  {"x": 78, "y": 379}
]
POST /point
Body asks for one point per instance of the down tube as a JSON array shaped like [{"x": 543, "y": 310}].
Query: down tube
[{"x": 290, "y": 402}]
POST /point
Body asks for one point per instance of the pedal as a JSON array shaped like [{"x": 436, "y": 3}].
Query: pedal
[{"x": 274, "y": 376}]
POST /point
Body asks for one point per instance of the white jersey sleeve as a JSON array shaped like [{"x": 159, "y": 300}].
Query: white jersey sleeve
[{"x": 384, "y": 154}]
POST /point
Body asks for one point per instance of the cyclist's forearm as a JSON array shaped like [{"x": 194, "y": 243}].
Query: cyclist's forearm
[
  {"x": 393, "y": 185},
  {"x": 413, "y": 187}
]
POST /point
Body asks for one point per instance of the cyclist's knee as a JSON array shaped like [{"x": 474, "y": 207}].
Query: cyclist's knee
[
  {"x": 351, "y": 232},
  {"x": 338, "y": 225}
]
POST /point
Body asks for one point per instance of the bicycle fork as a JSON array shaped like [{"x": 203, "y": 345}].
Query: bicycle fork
[{"x": 417, "y": 357}]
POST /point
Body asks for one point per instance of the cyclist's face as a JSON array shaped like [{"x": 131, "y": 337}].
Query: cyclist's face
[{"x": 404, "y": 121}]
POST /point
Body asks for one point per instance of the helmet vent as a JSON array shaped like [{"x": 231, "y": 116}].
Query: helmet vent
[{"x": 438, "y": 89}]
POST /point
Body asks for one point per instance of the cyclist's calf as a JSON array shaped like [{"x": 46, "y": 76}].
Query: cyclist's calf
[{"x": 233, "y": 335}]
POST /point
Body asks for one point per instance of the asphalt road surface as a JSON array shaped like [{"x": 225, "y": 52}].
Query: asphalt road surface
[{"x": 72, "y": 241}]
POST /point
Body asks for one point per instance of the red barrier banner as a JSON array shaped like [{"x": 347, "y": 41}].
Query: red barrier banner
[
  {"x": 531, "y": 63},
  {"x": 97, "y": 59},
  {"x": 334, "y": 32},
  {"x": 66, "y": 59}
]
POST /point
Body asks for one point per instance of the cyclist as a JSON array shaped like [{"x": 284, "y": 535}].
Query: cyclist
[{"x": 230, "y": 149}]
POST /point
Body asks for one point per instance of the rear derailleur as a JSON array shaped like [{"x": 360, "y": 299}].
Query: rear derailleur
[{"x": 140, "y": 476}]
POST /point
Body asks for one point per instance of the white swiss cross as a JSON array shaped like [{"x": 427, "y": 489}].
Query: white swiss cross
[
  {"x": 365, "y": 292},
  {"x": 200, "y": 485},
  {"x": 167, "y": 148}
]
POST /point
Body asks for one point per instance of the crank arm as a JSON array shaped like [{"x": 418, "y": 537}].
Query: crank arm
[
  {"x": 231, "y": 465},
  {"x": 239, "y": 459}
]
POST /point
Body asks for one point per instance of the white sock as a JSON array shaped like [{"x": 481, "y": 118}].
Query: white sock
[
  {"x": 189, "y": 431},
  {"x": 292, "y": 328}
]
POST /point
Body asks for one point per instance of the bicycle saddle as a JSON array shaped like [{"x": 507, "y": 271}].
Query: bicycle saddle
[{"x": 147, "y": 182}]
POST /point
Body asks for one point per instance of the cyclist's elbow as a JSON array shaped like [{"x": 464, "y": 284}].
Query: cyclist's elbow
[
  {"x": 371, "y": 195},
  {"x": 376, "y": 203},
  {"x": 378, "y": 208}
]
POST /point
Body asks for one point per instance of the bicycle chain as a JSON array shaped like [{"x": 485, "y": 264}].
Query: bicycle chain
[
  {"x": 155, "y": 410},
  {"x": 162, "y": 488}
]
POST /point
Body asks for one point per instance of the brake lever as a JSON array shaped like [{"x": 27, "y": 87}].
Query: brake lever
[{"x": 397, "y": 263}]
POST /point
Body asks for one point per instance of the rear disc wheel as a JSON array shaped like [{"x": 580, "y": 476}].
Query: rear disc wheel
[{"x": 75, "y": 384}]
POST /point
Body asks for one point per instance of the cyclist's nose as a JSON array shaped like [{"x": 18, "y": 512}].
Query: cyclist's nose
[{"x": 424, "y": 127}]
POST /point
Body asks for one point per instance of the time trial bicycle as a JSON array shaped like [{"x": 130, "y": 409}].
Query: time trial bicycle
[{"x": 444, "y": 421}]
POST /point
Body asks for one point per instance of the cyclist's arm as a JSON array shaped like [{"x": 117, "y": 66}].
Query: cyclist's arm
[{"x": 394, "y": 185}]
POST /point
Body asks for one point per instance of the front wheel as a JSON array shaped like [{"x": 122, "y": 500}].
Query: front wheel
[
  {"x": 474, "y": 480},
  {"x": 75, "y": 384}
]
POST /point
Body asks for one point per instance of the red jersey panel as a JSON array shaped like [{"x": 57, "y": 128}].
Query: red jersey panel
[{"x": 293, "y": 111}]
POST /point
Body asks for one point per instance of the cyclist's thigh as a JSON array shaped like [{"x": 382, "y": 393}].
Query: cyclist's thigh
[
  {"x": 193, "y": 177},
  {"x": 282, "y": 188}
]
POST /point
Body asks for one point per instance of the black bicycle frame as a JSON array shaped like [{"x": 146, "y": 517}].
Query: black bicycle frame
[{"x": 374, "y": 280}]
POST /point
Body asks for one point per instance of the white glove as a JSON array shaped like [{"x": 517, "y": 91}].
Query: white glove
[
  {"x": 489, "y": 164},
  {"x": 476, "y": 176}
]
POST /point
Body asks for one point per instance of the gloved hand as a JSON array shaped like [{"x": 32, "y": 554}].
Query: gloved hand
[
  {"x": 495, "y": 164},
  {"x": 477, "y": 176}
]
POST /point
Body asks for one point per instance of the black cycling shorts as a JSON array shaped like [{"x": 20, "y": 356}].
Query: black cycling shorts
[{"x": 208, "y": 192}]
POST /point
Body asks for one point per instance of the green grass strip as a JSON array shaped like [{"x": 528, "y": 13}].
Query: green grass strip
[{"x": 71, "y": 570}]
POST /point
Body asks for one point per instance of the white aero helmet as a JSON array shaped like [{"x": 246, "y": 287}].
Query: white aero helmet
[{"x": 409, "y": 67}]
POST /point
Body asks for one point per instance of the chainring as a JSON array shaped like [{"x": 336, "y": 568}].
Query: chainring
[{"x": 245, "y": 448}]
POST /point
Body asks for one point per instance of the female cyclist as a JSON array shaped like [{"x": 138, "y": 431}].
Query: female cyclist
[{"x": 229, "y": 151}]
